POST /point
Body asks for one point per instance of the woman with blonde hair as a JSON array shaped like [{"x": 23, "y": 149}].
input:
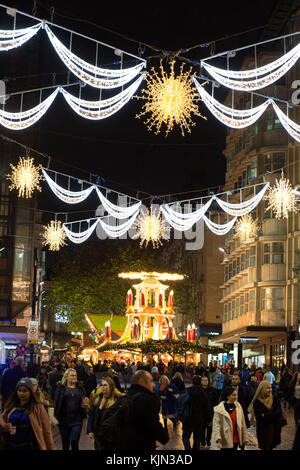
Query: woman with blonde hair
[
  {"x": 101, "y": 403},
  {"x": 168, "y": 393},
  {"x": 268, "y": 414},
  {"x": 70, "y": 401}
]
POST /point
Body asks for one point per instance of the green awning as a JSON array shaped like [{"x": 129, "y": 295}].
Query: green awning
[{"x": 117, "y": 322}]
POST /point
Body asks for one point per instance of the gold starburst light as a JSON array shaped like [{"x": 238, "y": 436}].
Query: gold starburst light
[
  {"x": 25, "y": 177},
  {"x": 151, "y": 228},
  {"x": 54, "y": 235},
  {"x": 170, "y": 100},
  {"x": 246, "y": 228},
  {"x": 282, "y": 199}
]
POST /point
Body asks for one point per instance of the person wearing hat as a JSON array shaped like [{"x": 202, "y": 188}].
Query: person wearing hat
[{"x": 26, "y": 421}]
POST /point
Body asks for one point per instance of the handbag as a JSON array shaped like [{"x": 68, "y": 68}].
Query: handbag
[{"x": 53, "y": 420}]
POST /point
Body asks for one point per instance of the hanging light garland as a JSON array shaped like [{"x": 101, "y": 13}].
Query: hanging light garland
[
  {"x": 282, "y": 198},
  {"x": 246, "y": 228},
  {"x": 54, "y": 235},
  {"x": 25, "y": 177},
  {"x": 170, "y": 100},
  {"x": 151, "y": 228}
]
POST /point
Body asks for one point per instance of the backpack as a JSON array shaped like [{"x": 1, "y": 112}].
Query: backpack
[
  {"x": 113, "y": 430},
  {"x": 183, "y": 406}
]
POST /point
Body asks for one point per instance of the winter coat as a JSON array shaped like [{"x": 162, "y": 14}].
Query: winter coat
[
  {"x": 59, "y": 398},
  {"x": 217, "y": 380},
  {"x": 244, "y": 372},
  {"x": 90, "y": 383},
  {"x": 213, "y": 399},
  {"x": 251, "y": 388},
  {"x": 268, "y": 424},
  {"x": 199, "y": 408},
  {"x": 93, "y": 417},
  {"x": 40, "y": 424},
  {"x": 179, "y": 384},
  {"x": 222, "y": 426},
  {"x": 145, "y": 428},
  {"x": 243, "y": 401},
  {"x": 53, "y": 378},
  {"x": 168, "y": 404},
  {"x": 10, "y": 379}
]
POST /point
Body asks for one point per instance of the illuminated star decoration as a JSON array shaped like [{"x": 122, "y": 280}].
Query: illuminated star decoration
[
  {"x": 54, "y": 235},
  {"x": 151, "y": 228},
  {"x": 282, "y": 199},
  {"x": 246, "y": 228},
  {"x": 25, "y": 177},
  {"x": 170, "y": 100}
]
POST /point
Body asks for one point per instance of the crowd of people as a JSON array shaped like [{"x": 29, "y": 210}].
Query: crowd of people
[{"x": 122, "y": 402}]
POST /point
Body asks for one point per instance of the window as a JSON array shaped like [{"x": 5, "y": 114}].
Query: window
[
  {"x": 237, "y": 307},
  {"x": 238, "y": 265},
  {"x": 274, "y": 161},
  {"x": 234, "y": 268},
  {"x": 226, "y": 274},
  {"x": 274, "y": 253},
  {"x": 230, "y": 271},
  {"x": 243, "y": 261},
  {"x": 225, "y": 312},
  {"x": 272, "y": 121},
  {"x": 232, "y": 309},
  {"x": 229, "y": 311},
  {"x": 272, "y": 298},
  {"x": 252, "y": 255},
  {"x": 252, "y": 170}
]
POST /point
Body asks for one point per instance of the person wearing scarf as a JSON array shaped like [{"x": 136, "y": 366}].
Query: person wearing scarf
[{"x": 268, "y": 414}]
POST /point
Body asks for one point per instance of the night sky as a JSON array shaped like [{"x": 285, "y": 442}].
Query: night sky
[{"x": 120, "y": 149}]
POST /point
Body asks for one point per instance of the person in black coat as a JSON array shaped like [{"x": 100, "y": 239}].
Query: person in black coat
[
  {"x": 70, "y": 403},
  {"x": 11, "y": 377},
  {"x": 251, "y": 388},
  {"x": 53, "y": 378},
  {"x": 90, "y": 381},
  {"x": 212, "y": 396},
  {"x": 144, "y": 427},
  {"x": 199, "y": 411},
  {"x": 268, "y": 414},
  {"x": 178, "y": 381}
]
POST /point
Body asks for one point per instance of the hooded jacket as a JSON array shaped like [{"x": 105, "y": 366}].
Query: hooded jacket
[{"x": 223, "y": 429}]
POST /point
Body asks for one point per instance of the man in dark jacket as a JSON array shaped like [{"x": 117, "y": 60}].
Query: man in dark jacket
[
  {"x": 11, "y": 377},
  {"x": 90, "y": 382},
  {"x": 212, "y": 396},
  {"x": 53, "y": 378},
  {"x": 199, "y": 408},
  {"x": 242, "y": 396},
  {"x": 145, "y": 428}
]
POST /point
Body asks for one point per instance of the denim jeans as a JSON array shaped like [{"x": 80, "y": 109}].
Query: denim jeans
[{"x": 70, "y": 435}]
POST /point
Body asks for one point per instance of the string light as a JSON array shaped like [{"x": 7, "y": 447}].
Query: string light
[
  {"x": 257, "y": 83},
  {"x": 16, "y": 37},
  {"x": 246, "y": 228},
  {"x": 282, "y": 198},
  {"x": 70, "y": 197},
  {"x": 242, "y": 208},
  {"x": 226, "y": 115},
  {"x": 181, "y": 221},
  {"x": 96, "y": 114},
  {"x": 145, "y": 275},
  {"x": 119, "y": 230},
  {"x": 170, "y": 100},
  {"x": 151, "y": 228},
  {"x": 291, "y": 127},
  {"x": 25, "y": 177},
  {"x": 54, "y": 235},
  {"x": 24, "y": 119},
  {"x": 80, "y": 68},
  {"x": 117, "y": 211},
  {"x": 257, "y": 71},
  {"x": 219, "y": 229},
  {"x": 80, "y": 237}
]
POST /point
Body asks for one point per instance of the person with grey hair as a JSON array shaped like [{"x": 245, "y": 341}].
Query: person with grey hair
[{"x": 11, "y": 377}]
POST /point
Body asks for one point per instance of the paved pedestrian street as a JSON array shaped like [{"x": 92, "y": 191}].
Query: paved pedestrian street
[{"x": 175, "y": 442}]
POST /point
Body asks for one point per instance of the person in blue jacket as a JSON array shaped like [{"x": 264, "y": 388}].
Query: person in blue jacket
[
  {"x": 217, "y": 380},
  {"x": 168, "y": 393}
]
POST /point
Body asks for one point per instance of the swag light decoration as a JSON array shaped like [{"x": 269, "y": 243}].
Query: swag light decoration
[
  {"x": 170, "y": 100},
  {"x": 25, "y": 177},
  {"x": 9, "y": 39},
  {"x": 151, "y": 228},
  {"x": 54, "y": 235},
  {"x": 282, "y": 198},
  {"x": 246, "y": 228}
]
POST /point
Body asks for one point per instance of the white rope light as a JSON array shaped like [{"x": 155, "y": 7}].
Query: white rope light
[
  {"x": 242, "y": 208},
  {"x": 81, "y": 107},
  {"x": 290, "y": 126},
  {"x": 24, "y": 119},
  {"x": 118, "y": 231},
  {"x": 16, "y": 37},
  {"x": 219, "y": 229},
  {"x": 220, "y": 111},
  {"x": 258, "y": 82},
  {"x": 80, "y": 237},
  {"x": 181, "y": 221},
  {"x": 80, "y": 68},
  {"x": 243, "y": 74},
  {"x": 70, "y": 197},
  {"x": 117, "y": 211}
]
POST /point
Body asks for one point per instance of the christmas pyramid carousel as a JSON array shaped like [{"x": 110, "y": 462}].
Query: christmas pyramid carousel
[{"x": 147, "y": 326}]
